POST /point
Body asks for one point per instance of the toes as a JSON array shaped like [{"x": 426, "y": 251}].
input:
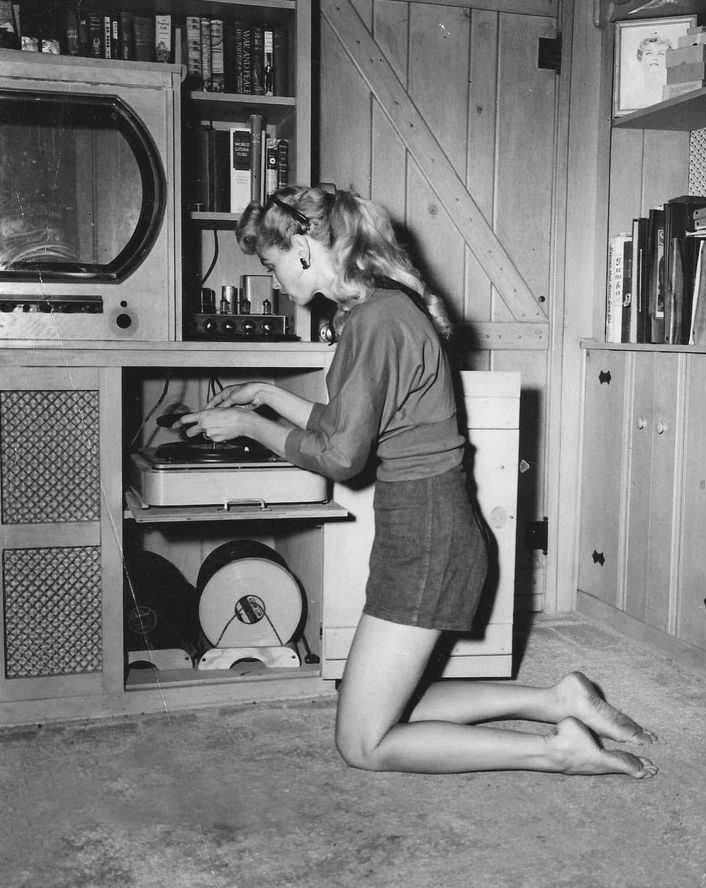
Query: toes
[
  {"x": 643, "y": 737},
  {"x": 648, "y": 769}
]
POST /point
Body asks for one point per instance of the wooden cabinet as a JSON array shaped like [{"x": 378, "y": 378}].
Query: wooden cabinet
[
  {"x": 64, "y": 529},
  {"x": 643, "y": 493}
]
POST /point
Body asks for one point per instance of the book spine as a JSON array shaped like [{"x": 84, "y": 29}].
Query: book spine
[
  {"x": 95, "y": 35},
  {"x": 143, "y": 34},
  {"x": 271, "y": 167},
  {"x": 257, "y": 60},
  {"x": 205, "y": 30},
  {"x": 193, "y": 50},
  {"x": 217, "y": 60},
  {"x": 202, "y": 184},
  {"x": 228, "y": 57},
  {"x": 163, "y": 38},
  {"x": 71, "y": 41},
  {"x": 256, "y": 123},
  {"x": 246, "y": 56},
  {"x": 108, "y": 49},
  {"x": 280, "y": 61},
  {"x": 614, "y": 302},
  {"x": 221, "y": 170},
  {"x": 627, "y": 291},
  {"x": 282, "y": 163},
  {"x": 240, "y": 168},
  {"x": 238, "y": 57},
  {"x": 268, "y": 73}
]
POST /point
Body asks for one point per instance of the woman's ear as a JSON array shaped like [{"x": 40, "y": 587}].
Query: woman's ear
[{"x": 302, "y": 250}]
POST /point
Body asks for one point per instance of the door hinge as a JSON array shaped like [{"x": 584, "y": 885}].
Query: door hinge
[
  {"x": 538, "y": 534},
  {"x": 549, "y": 53}
]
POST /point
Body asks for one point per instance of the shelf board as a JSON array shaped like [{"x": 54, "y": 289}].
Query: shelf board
[
  {"x": 189, "y": 514},
  {"x": 234, "y": 107},
  {"x": 154, "y": 679},
  {"x": 221, "y": 220},
  {"x": 687, "y": 112}
]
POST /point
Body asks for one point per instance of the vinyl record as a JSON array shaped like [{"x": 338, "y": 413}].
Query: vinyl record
[{"x": 248, "y": 597}]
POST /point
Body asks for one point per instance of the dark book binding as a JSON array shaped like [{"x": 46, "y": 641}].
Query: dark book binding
[
  {"x": 220, "y": 178},
  {"x": 280, "y": 62},
  {"x": 655, "y": 274},
  {"x": 143, "y": 35},
  {"x": 681, "y": 254},
  {"x": 257, "y": 60}
]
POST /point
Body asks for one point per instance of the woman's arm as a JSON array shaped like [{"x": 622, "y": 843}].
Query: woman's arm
[
  {"x": 225, "y": 423},
  {"x": 257, "y": 394}
]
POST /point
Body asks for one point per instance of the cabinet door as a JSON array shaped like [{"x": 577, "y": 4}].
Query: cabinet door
[
  {"x": 602, "y": 472},
  {"x": 60, "y": 522},
  {"x": 691, "y": 597},
  {"x": 652, "y": 443},
  {"x": 492, "y": 405}
]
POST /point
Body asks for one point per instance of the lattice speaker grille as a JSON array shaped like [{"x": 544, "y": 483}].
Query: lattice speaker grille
[
  {"x": 52, "y": 608},
  {"x": 49, "y": 456},
  {"x": 697, "y": 162}
]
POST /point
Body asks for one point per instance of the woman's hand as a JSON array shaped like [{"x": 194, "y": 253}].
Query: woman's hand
[
  {"x": 216, "y": 424},
  {"x": 245, "y": 394}
]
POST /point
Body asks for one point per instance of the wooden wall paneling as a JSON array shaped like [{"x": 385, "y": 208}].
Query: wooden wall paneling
[
  {"x": 480, "y": 165},
  {"x": 602, "y": 472},
  {"x": 525, "y": 7},
  {"x": 437, "y": 246},
  {"x": 388, "y": 155},
  {"x": 625, "y": 182},
  {"x": 665, "y": 167},
  {"x": 691, "y": 602},
  {"x": 344, "y": 119},
  {"x": 525, "y": 166}
]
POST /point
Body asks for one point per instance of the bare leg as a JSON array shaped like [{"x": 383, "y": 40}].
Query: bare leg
[
  {"x": 384, "y": 667},
  {"x": 574, "y": 696}
]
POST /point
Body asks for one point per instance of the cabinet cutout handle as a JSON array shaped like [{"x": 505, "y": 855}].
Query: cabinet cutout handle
[
  {"x": 642, "y": 423},
  {"x": 598, "y": 558},
  {"x": 604, "y": 376},
  {"x": 661, "y": 427}
]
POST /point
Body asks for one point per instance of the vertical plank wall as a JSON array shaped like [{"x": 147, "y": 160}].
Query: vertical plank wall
[{"x": 472, "y": 74}]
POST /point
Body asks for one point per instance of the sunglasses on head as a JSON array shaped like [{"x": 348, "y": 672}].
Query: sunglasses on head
[{"x": 303, "y": 221}]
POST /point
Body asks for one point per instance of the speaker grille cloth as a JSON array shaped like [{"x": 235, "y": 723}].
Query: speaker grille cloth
[
  {"x": 52, "y": 606},
  {"x": 697, "y": 162},
  {"x": 49, "y": 456}
]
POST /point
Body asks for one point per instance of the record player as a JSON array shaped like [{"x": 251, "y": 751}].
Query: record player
[{"x": 202, "y": 473}]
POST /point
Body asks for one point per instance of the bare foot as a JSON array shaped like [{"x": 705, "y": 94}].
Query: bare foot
[
  {"x": 581, "y": 699},
  {"x": 574, "y": 750}
]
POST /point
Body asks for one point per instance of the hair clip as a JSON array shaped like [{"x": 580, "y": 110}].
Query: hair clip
[{"x": 303, "y": 221}]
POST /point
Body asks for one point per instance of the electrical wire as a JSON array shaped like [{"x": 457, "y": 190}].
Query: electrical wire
[
  {"x": 163, "y": 395},
  {"x": 213, "y": 260}
]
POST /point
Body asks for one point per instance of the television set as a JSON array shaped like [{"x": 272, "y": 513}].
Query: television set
[{"x": 89, "y": 206}]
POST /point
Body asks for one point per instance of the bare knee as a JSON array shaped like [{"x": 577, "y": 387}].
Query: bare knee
[{"x": 356, "y": 750}]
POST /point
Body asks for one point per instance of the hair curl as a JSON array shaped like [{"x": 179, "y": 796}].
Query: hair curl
[{"x": 358, "y": 232}]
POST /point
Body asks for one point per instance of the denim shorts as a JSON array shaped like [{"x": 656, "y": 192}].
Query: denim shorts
[{"x": 429, "y": 558}]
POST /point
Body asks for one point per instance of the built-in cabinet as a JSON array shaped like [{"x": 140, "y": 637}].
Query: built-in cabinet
[{"x": 643, "y": 489}]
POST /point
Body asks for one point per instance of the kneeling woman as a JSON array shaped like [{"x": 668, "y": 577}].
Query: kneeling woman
[{"x": 391, "y": 398}]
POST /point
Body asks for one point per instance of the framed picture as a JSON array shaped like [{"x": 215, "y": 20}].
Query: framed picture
[{"x": 640, "y": 72}]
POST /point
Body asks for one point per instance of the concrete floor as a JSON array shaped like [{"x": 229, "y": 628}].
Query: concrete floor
[{"x": 256, "y": 797}]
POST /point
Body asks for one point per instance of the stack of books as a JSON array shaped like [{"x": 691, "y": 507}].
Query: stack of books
[
  {"x": 238, "y": 164},
  {"x": 686, "y": 64}
]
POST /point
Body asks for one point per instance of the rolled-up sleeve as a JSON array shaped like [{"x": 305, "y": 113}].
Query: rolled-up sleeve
[{"x": 340, "y": 435}]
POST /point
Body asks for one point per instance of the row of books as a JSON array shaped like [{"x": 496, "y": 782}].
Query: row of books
[
  {"x": 686, "y": 64},
  {"x": 656, "y": 289},
  {"x": 236, "y": 56},
  {"x": 237, "y": 164},
  {"x": 60, "y": 29},
  {"x": 221, "y": 55}
]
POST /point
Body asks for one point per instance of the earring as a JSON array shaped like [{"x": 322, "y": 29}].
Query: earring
[{"x": 305, "y": 264}]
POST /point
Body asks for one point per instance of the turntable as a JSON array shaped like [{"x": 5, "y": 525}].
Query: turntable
[{"x": 203, "y": 473}]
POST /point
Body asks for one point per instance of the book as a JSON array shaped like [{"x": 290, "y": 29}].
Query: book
[
  {"x": 268, "y": 73},
  {"x": 686, "y": 72},
  {"x": 681, "y": 253},
  {"x": 245, "y": 60},
  {"x": 270, "y": 166},
  {"x": 280, "y": 61},
  {"x": 192, "y": 27},
  {"x": 614, "y": 299},
  {"x": 143, "y": 36},
  {"x": 236, "y": 63},
  {"x": 108, "y": 49},
  {"x": 71, "y": 45},
  {"x": 672, "y": 90},
  {"x": 257, "y": 125},
  {"x": 698, "y": 313},
  {"x": 628, "y": 305},
  {"x": 220, "y": 170},
  {"x": 9, "y": 35},
  {"x": 217, "y": 57},
  {"x": 95, "y": 35},
  {"x": 257, "y": 60},
  {"x": 126, "y": 39},
  {"x": 163, "y": 38},
  {"x": 282, "y": 163},
  {"x": 205, "y": 36},
  {"x": 639, "y": 321},
  {"x": 240, "y": 168},
  {"x": 655, "y": 274},
  {"x": 202, "y": 188}
]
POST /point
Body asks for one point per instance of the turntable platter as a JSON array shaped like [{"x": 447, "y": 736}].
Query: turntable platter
[{"x": 240, "y": 450}]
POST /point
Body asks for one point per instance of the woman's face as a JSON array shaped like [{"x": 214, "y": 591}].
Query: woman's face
[{"x": 301, "y": 282}]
